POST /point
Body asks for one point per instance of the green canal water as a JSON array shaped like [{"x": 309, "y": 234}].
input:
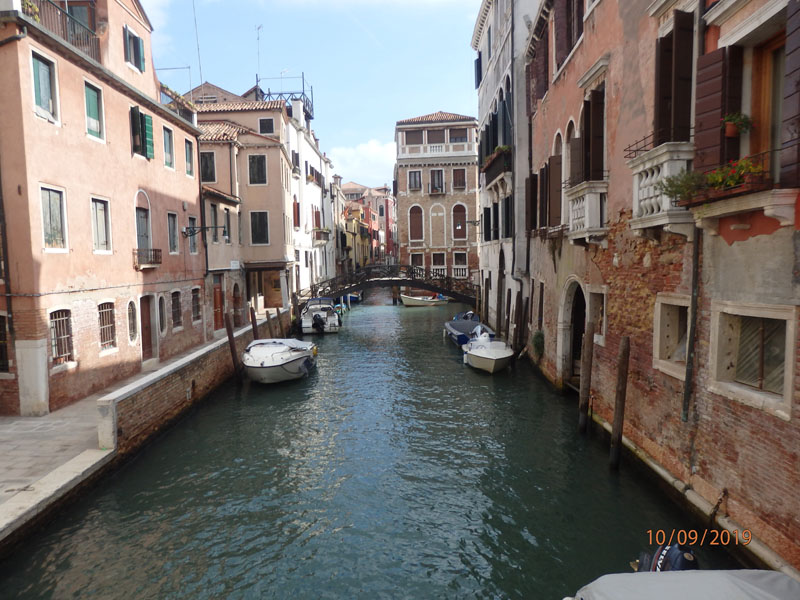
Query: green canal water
[{"x": 394, "y": 471}]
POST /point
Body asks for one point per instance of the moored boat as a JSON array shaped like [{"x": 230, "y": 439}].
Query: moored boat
[
  {"x": 274, "y": 360},
  {"x": 486, "y": 354},
  {"x": 461, "y": 328},
  {"x": 319, "y": 316},
  {"x": 435, "y": 300}
]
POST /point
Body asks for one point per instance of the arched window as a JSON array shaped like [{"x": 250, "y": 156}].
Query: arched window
[
  {"x": 459, "y": 222},
  {"x": 415, "y": 230},
  {"x": 132, "y": 324}
]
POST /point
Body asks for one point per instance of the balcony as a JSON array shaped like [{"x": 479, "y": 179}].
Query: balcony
[
  {"x": 62, "y": 24},
  {"x": 146, "y": 258},
  {"x": 460, "y": 272},
  {"x": 439, "y": 272},
  {"x": 449, "y": 149},
  {"x": 587, "y": 212},
  {"x": 496, "y": 164},
  {"x": 651, "y": 207},
  {"x": 321, "y": 237}
]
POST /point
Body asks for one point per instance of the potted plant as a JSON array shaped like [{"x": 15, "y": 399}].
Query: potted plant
[
  {"x": 683, "y": 186},
  {"x": 736, "y": 123}
]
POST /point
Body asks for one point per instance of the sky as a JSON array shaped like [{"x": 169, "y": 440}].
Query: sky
[{"x": 371, "y": 63}]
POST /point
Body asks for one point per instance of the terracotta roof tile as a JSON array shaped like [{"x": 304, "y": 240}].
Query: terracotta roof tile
[
  {"x": 241, "y": 106},
  {"x": 221, "y": 131},
  {"x": 436, "y": 117}
]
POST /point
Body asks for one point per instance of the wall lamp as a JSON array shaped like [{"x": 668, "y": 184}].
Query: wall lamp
[
  {"x": 476, "y": 222},
  {"x": 192, "y": 231}
]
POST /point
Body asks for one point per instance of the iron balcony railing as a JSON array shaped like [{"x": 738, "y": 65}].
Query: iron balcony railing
[
  {"x": 59, "y": 22},
  {"x": 145, "y": 258},
  {"x": 656, "y": 138}
]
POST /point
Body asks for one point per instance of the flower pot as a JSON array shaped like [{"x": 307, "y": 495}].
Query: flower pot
[{"x": 731, "y": 130}]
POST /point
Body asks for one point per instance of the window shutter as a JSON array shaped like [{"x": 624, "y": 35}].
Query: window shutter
[
  {"x": 597, "y": 102},
  {"x": 140, "y": 44},
  {"x": 683, "y": 40},
  {"x": 543, "y": 195},
  {"x": 576, "y": 174},
  {"x": 37, "y": 86},
  {"x": 478, "y": 70},
  {"x": 586, "y": 134},
  {"x": 136, "y": 130},
  {"x": 663, "y": 93},
  {"x": 296, "y": 214},
  {"x": 554, "y": 195},
  {"x": 126, "y": 50},
  {"x": 790, "y": 134},
  {"x": 528, "y": 83},
  {"x": 148, "y": 136},
  {"x": 486, "y": 224},
  {"x": 562, "y": 44},
  {"x": 92, "y": 108},
  {"x": 415, "y": 223}
]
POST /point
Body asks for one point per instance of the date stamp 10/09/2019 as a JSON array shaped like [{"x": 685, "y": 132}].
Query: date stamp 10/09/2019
[{"x": 701, "y": 537}]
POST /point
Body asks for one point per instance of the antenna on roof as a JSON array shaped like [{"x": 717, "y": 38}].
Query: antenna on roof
[
  {"x": 258, "y": 54},
  {"x": 199, "y": 63}
]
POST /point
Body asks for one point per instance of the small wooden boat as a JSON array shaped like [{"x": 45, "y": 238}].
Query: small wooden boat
[
  {"x": 274, "y": 360},
  {"x": 435, "y": 300},
  {"x": 461, "y": 328},
  {"x": 319, "y": 316},
  {"x": 486, "y": 354}
]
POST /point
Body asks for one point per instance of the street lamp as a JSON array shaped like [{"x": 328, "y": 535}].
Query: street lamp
[
  {"x": 192, "y": 231},
  {"x": 476, "y": 222}
]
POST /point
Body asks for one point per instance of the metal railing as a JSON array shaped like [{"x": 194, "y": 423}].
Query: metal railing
[
  {"x": 64, "y": 25},
  {"x": 146, "y": 257},
  {"x": 656, "y": 138}
]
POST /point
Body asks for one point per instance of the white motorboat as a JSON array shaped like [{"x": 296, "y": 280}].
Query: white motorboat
[
  {"x": 274, "y": 360},
  {"x": 320, "y": 316},
  {"x": 486, "y": 354},
  {"x": 435, "y": 300}
]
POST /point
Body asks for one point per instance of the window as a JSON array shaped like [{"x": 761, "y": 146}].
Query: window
[
  {"x": 177, "y": 316},
  {"x": 296, "y": 213},
  {"x": 413, "y": 137},
  {"x": 768, "y": 81},
  {"x": 44, "y": 87},
  {"x": 101, "y": 225},
  {"x": 94, "y": 110},
  {"x": 670, "y": 332},
  {"x": 208, "y": 169},
  {"x": 108, "y": 335},
  {"x": 673, "y": 77},
  {"x": 486, "y": 224},
  {"x": 142, "y": 133},
  {"x": 415, "y": 229},
  {"x": 214, "y": 223},
  {"x": 196, "y": 314},
  {"x": 495, "y": 221},
  {"x": 459, "y": 179},
  {"x": 417, "y": 259},
  {"x": 752, "y": 354},
  {"x": 259, "y": 227},
  {"x": 3, "y": 345},
  {"x": 134, "y": 49},
  {"x": 438, "y": 259},
  {"x": 266, "y": 126},
  {"x": 415, "y": 180},
  {"x": 53, "y": 219},
  {"x": 172, "y": 230},
  {"x": 458, "y": 136},
  {"x": 192, "y": 238},
  {"x": 436, "y": 136},
  {"x": 162, "y": 315},
  {"x": 508, "y": 217},
  {"x": 460, "y": 259},
  {"x": 169, "y": 154},
  {"x": 459, "y": 222},
  {"x": 258, "y": 169},
  {"x": 569, "y": 27},
  {"x": 540, "y": 69},
  {"x": 132, "y": 321},
  {"x": 239, "y": 227},
  {"x": 61, "y": 337},
  {"x": 142, "y": 228},
  {"x": 189, "y": 149},
  {"x": 380, "y": 210},
  {"x": 437, "y": 181},
  {"x": 227, "y": 229}
]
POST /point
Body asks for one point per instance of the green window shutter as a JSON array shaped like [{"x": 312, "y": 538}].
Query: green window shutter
[
  {"x": 126, "y": 45},
  {"x": 92, "y": 110},
  {"x": 140, "y": 42},
  {"x": 148, "y": 136},
  {"x": 37, "y": 90}
]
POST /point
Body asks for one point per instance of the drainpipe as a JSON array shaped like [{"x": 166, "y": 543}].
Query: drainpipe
[
  {"x": 202, "y": 208},
  {"x": 10, "y": 320},
  {"x": 697, "y": 233},
  {"x": 16, "y": 38}
]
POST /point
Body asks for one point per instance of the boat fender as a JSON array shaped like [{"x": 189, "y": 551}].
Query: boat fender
[{"x": 464, "y": 358}]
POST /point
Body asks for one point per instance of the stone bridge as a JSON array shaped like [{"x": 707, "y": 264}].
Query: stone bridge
[{"x": 372, "y": 276}]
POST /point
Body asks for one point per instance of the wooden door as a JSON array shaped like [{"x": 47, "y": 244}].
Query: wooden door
[
  {"x": 147, "y": 333},
  {"x": 218, "y": 304},
  {"x": 142, "y": 228}
]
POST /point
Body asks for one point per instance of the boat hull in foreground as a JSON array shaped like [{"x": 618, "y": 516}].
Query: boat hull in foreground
[
  {"x": 276, "y": 360},
  {"x": 422, "y": 300},
  {"x": 487, "y": 355}
]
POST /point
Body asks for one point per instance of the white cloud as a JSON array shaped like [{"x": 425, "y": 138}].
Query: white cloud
[{"x": 370, "y": 163}]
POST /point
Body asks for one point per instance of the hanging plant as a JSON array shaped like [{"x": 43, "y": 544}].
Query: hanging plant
[{"x": 736, "y": 123}]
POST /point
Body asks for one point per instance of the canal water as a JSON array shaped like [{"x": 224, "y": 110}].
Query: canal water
[{"x": 394, "y": 471}]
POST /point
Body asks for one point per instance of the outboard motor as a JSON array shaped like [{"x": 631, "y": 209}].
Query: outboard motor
[
  {"x": 672, "y": 557},
  {"x": 318, "y": 323}
]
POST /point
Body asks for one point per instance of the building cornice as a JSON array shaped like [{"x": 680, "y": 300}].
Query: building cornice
[
  {"x": 483, "y": 15},
  {"x": 598, "y": 69}
]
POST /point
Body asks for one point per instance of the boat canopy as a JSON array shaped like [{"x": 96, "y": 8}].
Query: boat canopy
[{"x": 745, "y": 584}]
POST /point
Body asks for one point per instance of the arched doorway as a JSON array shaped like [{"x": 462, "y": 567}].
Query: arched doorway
[
  {"x": 578, "y": 325},
  {"x": 571, "y": 327},
  {"x": 500, "y": 300}
]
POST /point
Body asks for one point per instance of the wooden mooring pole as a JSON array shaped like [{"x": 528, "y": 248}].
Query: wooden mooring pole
[
  {"x": 280, "y": 321},
  {"x": 269, "y": 325},
  {"x": 619, "y": 402},
  {"x": 232, "y": 344},
  {"x": 254, "y": 322},
  {"x": 586, "y": 377}
]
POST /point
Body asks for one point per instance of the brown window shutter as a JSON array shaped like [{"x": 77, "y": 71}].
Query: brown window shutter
[
  {"x": 709, "y": 107},
  {"x": 790, "y": 134},
  {"x": 531, "y": 189},
  {"x": 296, "y": 214},
  {"x": 663, "y": 94},
  {"x": 586, "y": 134},
  {"x": 562, "y": 43},
  {"x": 597, "y": 140},
  {"x": 543, "y": 194},
  {"x": 683, "y": 44},
  {"x": 576, "y": 174},
  {"x": 528, "y": 83},
  {"x": 415, "y": 224},
  {"x": 554, "y": 196}
]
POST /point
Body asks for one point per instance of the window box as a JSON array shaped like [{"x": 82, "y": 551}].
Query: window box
[{"x": 496, "y": 164}]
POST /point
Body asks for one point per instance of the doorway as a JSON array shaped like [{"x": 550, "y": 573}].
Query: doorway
[
  {"x": 145, "y": 309},
  {"x": 219, "y": 303},
  {"x": 500, "y": 300},
  {"x": 578, "y": 327}
]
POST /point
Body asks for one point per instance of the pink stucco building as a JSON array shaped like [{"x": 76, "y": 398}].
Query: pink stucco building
[{"x": 99, "y": 180}]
